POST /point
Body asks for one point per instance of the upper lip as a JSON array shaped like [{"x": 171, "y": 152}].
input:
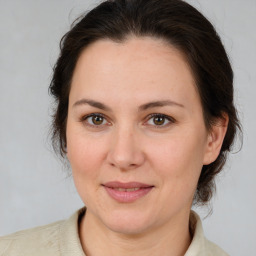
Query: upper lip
[{"x": 126, "y": 185}]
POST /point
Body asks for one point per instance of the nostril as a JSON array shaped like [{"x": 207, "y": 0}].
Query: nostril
[{"x": 124, "y": 151}]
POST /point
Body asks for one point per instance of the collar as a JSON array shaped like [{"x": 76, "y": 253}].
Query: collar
[
  {"x": 69, "y": 240},
  {"x": 70, "y": 245}
]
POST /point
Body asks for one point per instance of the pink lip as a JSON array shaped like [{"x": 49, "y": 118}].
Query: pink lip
[{"x": 113, "y": 191}]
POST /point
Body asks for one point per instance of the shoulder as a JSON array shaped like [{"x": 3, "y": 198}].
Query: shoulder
[
  {"x": 213, "y": 249},
  {"x": 200, "y": 245},
  {"x": 35, "y": 241},
  {"x": 59, "y": 238}
]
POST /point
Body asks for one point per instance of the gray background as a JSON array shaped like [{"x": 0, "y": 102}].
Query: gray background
[{"x": 34, "y": 185}]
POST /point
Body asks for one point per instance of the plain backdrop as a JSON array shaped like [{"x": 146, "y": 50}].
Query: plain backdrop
[{"x": 34, "y": 186}]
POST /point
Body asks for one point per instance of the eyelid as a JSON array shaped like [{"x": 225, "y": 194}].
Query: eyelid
[
  {"x": 84, "y": 118},
  {"x": 169, "y": 118}
]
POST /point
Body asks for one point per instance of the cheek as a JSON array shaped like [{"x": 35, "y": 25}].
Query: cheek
[
  {"x": 179, "y": 167},
  {"x": 85, "y": 155},
  {"x": 179, "y": 160}
]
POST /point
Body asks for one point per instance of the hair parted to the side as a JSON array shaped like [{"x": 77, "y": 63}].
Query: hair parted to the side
[{"x": 184, "y": 28}]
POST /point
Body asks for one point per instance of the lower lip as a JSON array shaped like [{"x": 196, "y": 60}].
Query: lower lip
[{"x": 127, "y": 196}]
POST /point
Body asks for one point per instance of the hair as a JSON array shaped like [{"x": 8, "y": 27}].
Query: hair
[{"x": 180, "y": 25}]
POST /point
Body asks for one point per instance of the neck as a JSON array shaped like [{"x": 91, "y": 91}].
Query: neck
[{"x": 170, "y": 239}]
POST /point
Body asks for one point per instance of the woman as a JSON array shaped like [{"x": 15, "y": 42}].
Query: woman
[{"x": 145, "y": 116}]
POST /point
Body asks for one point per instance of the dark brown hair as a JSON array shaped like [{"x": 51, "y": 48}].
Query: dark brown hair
[{"x": 183, "y": 27}]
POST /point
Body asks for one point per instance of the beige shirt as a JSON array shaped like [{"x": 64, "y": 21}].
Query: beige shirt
[{"x": 61, "y": 239}]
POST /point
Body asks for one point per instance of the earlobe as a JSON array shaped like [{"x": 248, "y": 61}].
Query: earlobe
[
  {"x": 215, "y": 139},
  {"x": 66, "y": 152}
]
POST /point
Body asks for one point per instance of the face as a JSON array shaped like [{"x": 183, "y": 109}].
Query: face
[{"x": 136, "y": 138}]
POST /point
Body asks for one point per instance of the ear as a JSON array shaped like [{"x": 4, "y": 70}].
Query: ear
[
  {"x": 215, "y": 139},
  {"x": 66, "y": 153}
]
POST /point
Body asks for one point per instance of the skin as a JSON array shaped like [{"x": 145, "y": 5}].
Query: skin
[{"x": 129, "y": 145}]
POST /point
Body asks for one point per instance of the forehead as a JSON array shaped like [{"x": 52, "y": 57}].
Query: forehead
[
  {"x": 131, "y": 50},
  {"x": 136, "y": 66}
]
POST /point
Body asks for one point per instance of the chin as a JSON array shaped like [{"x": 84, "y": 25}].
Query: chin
[
  {"x": 130, "y": 229},
  {"x": 131, "y": 223}
]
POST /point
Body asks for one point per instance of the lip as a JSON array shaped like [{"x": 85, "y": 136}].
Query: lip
[{"x": 118, "y": 190}]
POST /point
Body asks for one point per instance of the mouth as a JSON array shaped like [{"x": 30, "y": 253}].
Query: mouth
[
  {"x": 126, "y": 189},
  {"x": 127, "y": 192}
]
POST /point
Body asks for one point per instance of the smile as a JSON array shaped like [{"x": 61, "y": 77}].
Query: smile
[
  {"x": 127, "y": 192},
  {"x": 126, "y": 189}
]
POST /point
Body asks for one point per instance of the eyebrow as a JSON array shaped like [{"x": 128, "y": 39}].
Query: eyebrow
[
  {"x": 160, "y": 103},
  {"x": 153, "y": 104},
  {"x": 92, "y": 103}
]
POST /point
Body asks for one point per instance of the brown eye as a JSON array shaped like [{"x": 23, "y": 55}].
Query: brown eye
[
  {"x": 159, "y": 120},
  {"x": 97, "y": 120}
]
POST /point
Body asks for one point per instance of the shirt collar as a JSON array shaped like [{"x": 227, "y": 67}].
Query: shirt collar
[
  {"x": 197, "y": 246},
  {"x": 69, "y": 240},
  {"x": 70, "y": 243}
]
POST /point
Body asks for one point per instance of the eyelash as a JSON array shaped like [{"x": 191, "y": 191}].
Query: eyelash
[
  {"x": 170, "y": 120},
  {"x": 84, "y": 120}
]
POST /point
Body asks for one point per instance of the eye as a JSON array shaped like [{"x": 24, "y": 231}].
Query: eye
[
  {"x": 160, "y": 120},
  {"x": 95, "y": 119}
]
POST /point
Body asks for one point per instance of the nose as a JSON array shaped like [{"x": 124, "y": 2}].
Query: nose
[{"x": 125, "y": 151}]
